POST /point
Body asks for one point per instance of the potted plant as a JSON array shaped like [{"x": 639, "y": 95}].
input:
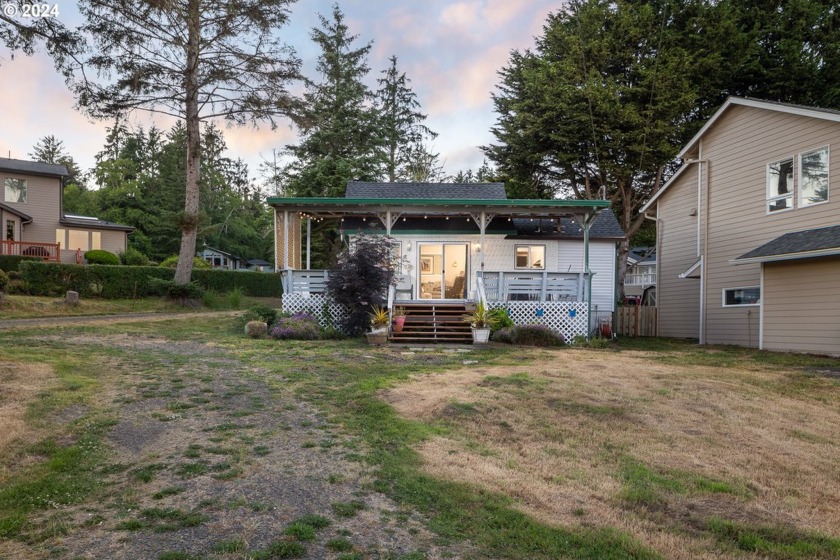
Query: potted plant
[
  {"x": 399, "y": 318},
  {"x": 482, "y": 320},
  {"x": 379, "y": 321}
]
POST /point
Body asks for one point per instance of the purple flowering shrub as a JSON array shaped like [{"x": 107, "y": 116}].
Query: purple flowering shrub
[
  {"x": 528, "y": 335},
  {"x": 300, "y": 326}
]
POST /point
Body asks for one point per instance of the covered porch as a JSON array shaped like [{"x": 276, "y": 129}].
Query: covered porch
[{"x": 451, "y": 268}]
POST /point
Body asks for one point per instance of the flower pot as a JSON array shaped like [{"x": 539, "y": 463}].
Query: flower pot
[
  {"x": 399, "y": 323},
  {"x": 377, "y": 338},
  {"x": 480, "y": 335}
]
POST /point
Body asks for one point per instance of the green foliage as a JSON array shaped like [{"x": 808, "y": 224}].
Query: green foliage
[
  {"x": 234, "y": 297},
  {"x": 11, "y": 263},
  {"x": 4, "y": 281},
  {"x": 178, "y": 292},
  {"x": 300, "y": 326},
  {"x": 528, "y": 335},
  {"x": 133, "y": 257},
  {"x": 780, "y": 541},
  {"x": 481, "y": 317},
  {"x": 499, "y": 319},
  {"x": 111, "y": 282},
  {"x": 100, "y": 256},
  {"x": 172, "y": 262}
]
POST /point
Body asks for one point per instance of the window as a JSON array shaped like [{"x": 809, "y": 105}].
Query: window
[
  {"x": 741, "y": 296},
  {"x": 15, "y": 190},
  {"x": 95, "y": 240},
  {"x": 530, "y": 257},
  {"x": 77, "y": 240},
  {"x": 60, "y": 238},
  {"x": 10, "y": 230},
  {"x": 780, "y": 185},
  {"x": 813, "y": 177}
]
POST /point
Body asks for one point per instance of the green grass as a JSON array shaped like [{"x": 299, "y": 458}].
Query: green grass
[
  {"x": 168, "y": 491},
  {"x": 231, "y": 546},
  {"x": 347, "y": 509},
  {"x": 646, "y": 486},
  {"x": 339, "y": 545},
  {"x": 278, "y": 550},
  {"x": 774, "y": 541}
]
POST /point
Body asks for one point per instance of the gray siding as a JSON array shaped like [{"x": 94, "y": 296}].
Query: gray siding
[
  {"x": 678, "y": 300},
  {"x": 802, "y": 306},
  {"x": 739, "y": 147},
  {"x": 43, "y": 204}
]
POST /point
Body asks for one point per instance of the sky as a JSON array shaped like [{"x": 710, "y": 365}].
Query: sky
[{"x": 450, "y": 50}]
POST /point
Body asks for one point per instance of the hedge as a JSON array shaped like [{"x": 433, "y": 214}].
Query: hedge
[
  {"x": 112, "y": 282},
  {"x": 9, "y": 263}
]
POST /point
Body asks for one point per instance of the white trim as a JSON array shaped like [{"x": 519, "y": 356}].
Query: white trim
[
  {"x": 690, "y": 270},
  {"x": 799, "y": 203},
  {"x": 723, "y": 296},
  {"x": 791, "y": 195},
  {"x": 661, "y": 190},
  {"x": 530, "y": 245},
  {"x": 761, "y": 311}
]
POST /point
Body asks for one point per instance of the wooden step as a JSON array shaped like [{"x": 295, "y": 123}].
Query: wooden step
[{"x": 434, "y": 323}]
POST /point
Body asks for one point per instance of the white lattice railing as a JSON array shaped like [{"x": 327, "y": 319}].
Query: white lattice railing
[
  {"x": 304, "y": 281},
  {"x": 569, "y": 318}
]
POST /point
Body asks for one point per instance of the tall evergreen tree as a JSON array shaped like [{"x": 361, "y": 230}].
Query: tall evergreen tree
[
  {"x": 403, "y": 131},
  {"x": 50, "y": 149},
  {"x": 197, "y": 60},
  {"x": 341, "y": 137}
]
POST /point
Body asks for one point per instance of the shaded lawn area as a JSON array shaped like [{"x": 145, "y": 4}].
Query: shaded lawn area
[{"x": 643, "y": 450}]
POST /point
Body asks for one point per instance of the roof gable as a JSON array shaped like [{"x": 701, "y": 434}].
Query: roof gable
[{"x": 439, "y": 191}]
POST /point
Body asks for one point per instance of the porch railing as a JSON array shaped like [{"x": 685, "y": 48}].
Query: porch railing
[
  {"x": 540, "y": 286},
  {"x": 304, "y": 281},
  {"x": 46, "y": 251},
  {"x": 640, "y": 278}
]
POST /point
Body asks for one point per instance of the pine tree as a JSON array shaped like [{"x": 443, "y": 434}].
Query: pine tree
[
  {"x": 50, "y": 149},
  {"x": 341, "y": 138},
  {"x": 403, "y": 131}
]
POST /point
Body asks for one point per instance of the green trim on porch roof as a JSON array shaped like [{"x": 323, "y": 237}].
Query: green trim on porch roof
[{"x": 523, "y": 202}]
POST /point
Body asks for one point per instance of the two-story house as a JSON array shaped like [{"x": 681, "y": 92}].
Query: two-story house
[
  {"x": 748, "y": 241},
  {"x": 32, "y": 218}
]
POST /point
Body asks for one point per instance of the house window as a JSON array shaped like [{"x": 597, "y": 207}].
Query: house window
[
  {"x": 95, "y": 240},
  {"x": 733, "y": 297},
  {"x": 813, "y": 177},
  {"x": 60, "y": 238},
  {"x": 10, "y": 230},
  {"x": 15, "y": 190},
  {"x": 531, "y": 257},
  {"x": 780, "y": 185},
  {"x": 77, "y": 240}
]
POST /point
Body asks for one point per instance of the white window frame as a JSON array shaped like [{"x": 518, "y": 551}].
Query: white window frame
[
  {"x": 773, "y": 198},
  {"x": 530, "y": 257},
  {"x": 723, "y": 297},
  {"x": 25, "y": 190},
  {"x": 799, "y": 199}
]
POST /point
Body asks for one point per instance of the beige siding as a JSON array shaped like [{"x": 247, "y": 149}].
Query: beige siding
[
  {"x": 43, "y": 204},
  {"x": 295, "y": 241},
  {"x": 739, "y": 147},
  {"x": 110, "y": 240},
  {"x": 802, "y": 306},
  {"x": 678, "y": 299}
]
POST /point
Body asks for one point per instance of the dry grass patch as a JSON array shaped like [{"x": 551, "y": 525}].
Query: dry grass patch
[
  {"x": 594, "y": 439},
  {"x": 20, "y": 384}
]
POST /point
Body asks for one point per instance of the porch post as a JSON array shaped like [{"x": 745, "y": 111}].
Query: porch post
[
  {"x": 483, "y": 226},
  {"x": 388, "y": 221},
  {"x": 588, "y": 274},
  {"x": 285, "y": 240},
  {"x": 308, "y": 241}
]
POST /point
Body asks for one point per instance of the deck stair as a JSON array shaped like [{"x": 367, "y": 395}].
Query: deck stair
[{"x": 434, "y": 323}]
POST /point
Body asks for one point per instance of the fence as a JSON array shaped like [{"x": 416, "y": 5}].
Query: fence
[{"x": 636, "y": 320}]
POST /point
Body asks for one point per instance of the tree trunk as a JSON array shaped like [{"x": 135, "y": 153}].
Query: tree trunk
[
  {"x": 189, "y": 220},
  {"x": 623, "y": 251}
]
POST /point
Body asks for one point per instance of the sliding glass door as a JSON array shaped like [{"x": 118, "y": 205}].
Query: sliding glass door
[{"x": 442, "y": 270}]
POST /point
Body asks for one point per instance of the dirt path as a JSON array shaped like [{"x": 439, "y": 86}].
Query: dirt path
[{"x": 214, "y": 459}]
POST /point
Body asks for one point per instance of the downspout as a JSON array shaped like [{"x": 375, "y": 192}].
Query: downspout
[
  {"x": 761, "y": 309},
  {"x": 702, "y": 216}
]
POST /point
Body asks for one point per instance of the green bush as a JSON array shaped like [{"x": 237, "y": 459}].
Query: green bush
[
  {"x": 117, "y": 282},
  {"x": 133, "y": 257},
  {"x": 500, "y": 319},
  {"x": 179, "y": 292},
  {"x": 4, "y": 281},
  {"x": 100, "y": 256},
  {"x": 172, "y": 262},
  {"x": 11, "y": 263},
  {"x": 528, "y": 335}
]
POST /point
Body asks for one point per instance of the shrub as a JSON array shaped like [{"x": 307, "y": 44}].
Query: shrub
[
  {"x": 254, "y": 284},
  {"x": 172, "y": 262},
  {"x": 500, "y": 319},
  {"x": 182, "y": 293},
  {"x": 133, "y": 257},
  {"x": 11, "y": 263},
  {"x": 504, "y": 335},
  {"x": 234, "y": 297},
  {"x": 263, "y": 312},
  {"x": 536, "y": 335},
  {"x": 301, "y": 326},
  {"x": 100, "y": 256},
  {"x": 361, "y": 277},
  {"x": 4, "y": 281}
]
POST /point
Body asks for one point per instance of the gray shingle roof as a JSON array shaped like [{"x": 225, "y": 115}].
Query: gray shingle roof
[
  {"x": 605, "y": 226},
  {"x": 26, "y": 217},
  {"x": 32, "y": 167},
  {"x": 92, "y": 223},
  {"x": 794, "y": 243},
  {"x": 463, "y": 191}
]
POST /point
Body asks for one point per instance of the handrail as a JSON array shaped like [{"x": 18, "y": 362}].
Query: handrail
[
  {"x": 482, "y": 294},
  {"x": 392, "y": 291}
]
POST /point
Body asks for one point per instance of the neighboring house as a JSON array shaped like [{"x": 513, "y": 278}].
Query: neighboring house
[
  {"x": 33, "y": 221},
  {"x": 467, "y": 242},
  {"x": 748, "y": 242},
  {"x": 640, "y": 279},
  {"x": 221, "y": 259},
  {"x": 259, "y": 265}
]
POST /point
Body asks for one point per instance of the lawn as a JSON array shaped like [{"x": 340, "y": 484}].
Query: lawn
[{"x": 182, "y": 439}]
